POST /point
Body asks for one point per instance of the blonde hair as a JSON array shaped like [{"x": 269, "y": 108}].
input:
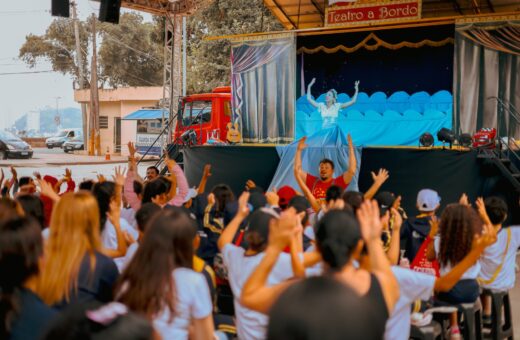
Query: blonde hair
[{"x": 74, "y": 232}]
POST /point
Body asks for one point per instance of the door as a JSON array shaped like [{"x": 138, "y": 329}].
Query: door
[{"x": 117, "y": 135}]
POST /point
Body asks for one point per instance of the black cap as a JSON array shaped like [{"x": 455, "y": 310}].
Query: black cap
[
  {"x": 385, "y": 200},
  {"x": 257, "y": 200},
  {"x": 299, "y": 203}
]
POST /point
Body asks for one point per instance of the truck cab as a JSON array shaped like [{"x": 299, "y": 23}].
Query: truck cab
[{"x": 205, "y": 115}]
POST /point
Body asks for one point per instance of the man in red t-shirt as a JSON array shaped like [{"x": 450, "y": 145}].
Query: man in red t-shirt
[{"x": 319, "y": 186}]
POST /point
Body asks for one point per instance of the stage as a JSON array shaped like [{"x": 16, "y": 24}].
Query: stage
[{"x": 449, "y": 172}]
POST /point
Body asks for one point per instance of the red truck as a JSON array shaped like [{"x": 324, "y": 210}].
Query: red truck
[{"x": 205, "y": 115}]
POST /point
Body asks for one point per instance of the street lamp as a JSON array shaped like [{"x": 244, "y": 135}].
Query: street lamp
[{"x": 57, "y": 117}]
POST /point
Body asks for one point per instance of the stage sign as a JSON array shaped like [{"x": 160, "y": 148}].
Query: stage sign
[{"x": 372, "y": 13}]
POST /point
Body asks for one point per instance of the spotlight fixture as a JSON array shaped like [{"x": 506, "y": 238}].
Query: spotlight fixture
[
  {"x": 426, "y": 140},
  {"x": 465, "y": 140},
  {"x": 446, "y": 136},
  {"x": 189, "y": 137}
]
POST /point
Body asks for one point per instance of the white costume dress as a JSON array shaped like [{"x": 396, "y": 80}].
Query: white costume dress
[{"x": 329, "y": 115}]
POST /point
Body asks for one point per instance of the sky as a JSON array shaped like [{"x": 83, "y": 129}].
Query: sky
[{"x": 21, "y": 93}]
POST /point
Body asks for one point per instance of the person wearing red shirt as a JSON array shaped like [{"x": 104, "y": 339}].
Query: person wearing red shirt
[{"x": 319, "y": 185}]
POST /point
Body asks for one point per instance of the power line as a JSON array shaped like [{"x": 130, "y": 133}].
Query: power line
[
  {"x": 146, "y": 54},
  {"x": 27, "y": 72}
]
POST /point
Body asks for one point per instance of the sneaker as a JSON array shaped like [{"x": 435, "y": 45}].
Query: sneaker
[
  {"x": 442, "y": 310},
  {"x": 455, "y": 333}
]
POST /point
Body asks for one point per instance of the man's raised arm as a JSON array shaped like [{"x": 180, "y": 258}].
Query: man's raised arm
[
  {"x": 298, "y": 171},
  {"x": 352, "y": 162}
]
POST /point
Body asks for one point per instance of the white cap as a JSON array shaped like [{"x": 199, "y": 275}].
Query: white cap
[{"x": 428, "y": 200}]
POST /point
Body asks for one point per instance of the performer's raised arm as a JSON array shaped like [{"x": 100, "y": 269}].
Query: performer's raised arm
[
  {"x": 309, "y": 96},
  {"x": 352, "y": 162},
  {"x": 298, "y": 171},
  {"x": 354, "y": 98}
]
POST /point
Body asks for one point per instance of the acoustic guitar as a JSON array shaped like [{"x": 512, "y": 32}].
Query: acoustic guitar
[{"x": 233, "y": 135}]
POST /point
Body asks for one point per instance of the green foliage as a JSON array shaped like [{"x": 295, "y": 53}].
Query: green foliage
[
  {"x": 131, "y": 53},
  {"x": 208, "y": 63}
]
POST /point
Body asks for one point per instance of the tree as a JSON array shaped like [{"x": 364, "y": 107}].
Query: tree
[
  {"x": 209, "y": 61},
  {"x": 58, "y": 47},
  {"x": 130, "y": 54}
]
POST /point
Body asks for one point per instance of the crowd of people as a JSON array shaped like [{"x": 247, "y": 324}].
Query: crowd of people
[{"x": 130, "y": 257}]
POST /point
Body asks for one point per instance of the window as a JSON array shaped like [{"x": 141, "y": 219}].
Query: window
[
  {"x": 103, "y": 122},
  {"x": 197, "y": 112}
]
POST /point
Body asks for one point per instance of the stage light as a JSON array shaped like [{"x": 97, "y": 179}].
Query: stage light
[
  {"x": 426, "y": 139},
  {"x": 446, "y": 136},
  {"x": 466, "y": 140}
]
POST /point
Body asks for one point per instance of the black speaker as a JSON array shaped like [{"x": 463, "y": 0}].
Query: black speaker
[
  {"x": 60, "y": 8},
  {"x": 109, "y": 11}
]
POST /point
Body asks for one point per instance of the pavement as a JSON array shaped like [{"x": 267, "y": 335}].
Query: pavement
[
  {"x": 56, "y": 157},
  {"x": 54, "y": 161}
]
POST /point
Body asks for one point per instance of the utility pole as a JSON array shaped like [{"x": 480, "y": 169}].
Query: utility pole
[
  {"x": 57, "y": 118},
  {"x": 81, "y": 80},
  {"x": 95, "y": 138}
]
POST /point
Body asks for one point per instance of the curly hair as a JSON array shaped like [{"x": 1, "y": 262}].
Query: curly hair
[{"x": 457, "y": 227}]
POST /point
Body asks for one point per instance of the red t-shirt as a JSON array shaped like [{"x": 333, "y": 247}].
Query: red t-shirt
[{"x": 319, "y": 188}]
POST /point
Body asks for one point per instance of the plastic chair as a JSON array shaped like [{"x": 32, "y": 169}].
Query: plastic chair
[
  {"x": 433, "y": 331},
  {"x": 472, "y": 318},
  {"x": 501, "y": 321}
]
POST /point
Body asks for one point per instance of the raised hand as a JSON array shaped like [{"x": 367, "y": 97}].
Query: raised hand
[
  {"x": 211, "y": 199},
  {"x": 243, "y": 208},
  {"x": 37, "y": 175},
  {"x": 250, "y": 184},
  {"x": 464, "y": 200},
  {"x": 46, "y": 189},
  {"x": 381, "y": 176},
  {"x": 481, "y": 209},
  {"x": 484, "y": 240},
  {"x": 312, "y": 81},
  {"x": 301, "y": 144},
  {"x": 100, "y": 178},
  {"x": 398, "y": 219},
  {"x": 369, "y": 221},
  {"x": 397, "y": 203},
  {"x": 131, "y": 149},
  {"x": 119, "y": 176},
  {"x": 68, "y": 174},
  {"x": 282, "y": 231},
  {"x": 129, "y": 239},
  {"x": 272, "y": 198},
  {"x": 207, "y": 171},
  {"x": 14, "y": 173},
  {"x": 356, "y": 85},
  {"x": 2, "y": 176}
]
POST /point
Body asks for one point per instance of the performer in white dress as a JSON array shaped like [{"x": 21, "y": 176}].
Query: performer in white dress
[{"x": 330, "y": 110}]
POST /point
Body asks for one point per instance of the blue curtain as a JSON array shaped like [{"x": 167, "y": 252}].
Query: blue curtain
[{"x": 263, "y": 87}]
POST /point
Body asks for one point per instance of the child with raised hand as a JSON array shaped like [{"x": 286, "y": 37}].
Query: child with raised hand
[
  {"x": 497, "y": 270},
  {"x": 457, "y": 228},
  {"x": 241, "y": 263}
]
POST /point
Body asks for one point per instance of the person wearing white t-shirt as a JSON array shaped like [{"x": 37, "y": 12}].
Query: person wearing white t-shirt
[
  {"x": 419, "y": 286},
  {"x": 241, "y": 263},
  {"x": 330, "y": 110},
  {"x": 172, "y": 295},
  {"x": 497, "y": 264},
  {"x": 458, "y": 226}
]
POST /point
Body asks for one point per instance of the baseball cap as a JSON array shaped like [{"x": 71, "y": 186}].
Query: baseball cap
[
  {"x": 259, "y": 221},
  {"x": 385, "y": 200},
  {"x": 286, "y": 193},
  {"x": 428, "y": 200},
  {"x": 257, "y": 200}
]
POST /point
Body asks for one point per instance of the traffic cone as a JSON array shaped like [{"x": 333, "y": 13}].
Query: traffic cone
[{"x": 107, "y": 155}]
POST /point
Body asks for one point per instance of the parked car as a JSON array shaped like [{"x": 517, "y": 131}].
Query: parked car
[
  {"x": 61, "y": 137},
  {"x": 75, "y": 144},
  {"x": 14, "y": 147}
]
